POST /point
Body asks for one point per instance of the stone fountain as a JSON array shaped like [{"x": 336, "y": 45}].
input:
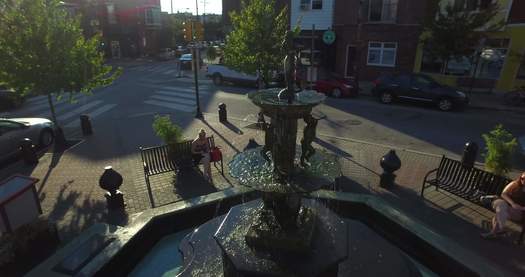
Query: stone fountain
[{"x": 284, "y": 233}]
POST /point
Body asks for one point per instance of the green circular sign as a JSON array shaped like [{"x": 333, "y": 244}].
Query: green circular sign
[{"x": 329, "y": 37}]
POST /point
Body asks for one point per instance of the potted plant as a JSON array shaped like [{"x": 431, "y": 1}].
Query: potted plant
[
  {"x": 168, "y": 131},
  {"x": 500, "y": 146}
]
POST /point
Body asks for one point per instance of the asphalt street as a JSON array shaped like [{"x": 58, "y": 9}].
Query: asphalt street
[{"x": 126, "y": 109}]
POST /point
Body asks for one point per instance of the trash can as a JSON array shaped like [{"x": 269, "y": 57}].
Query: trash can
[
  {"x": 85, "y": 124},
  {"x": 223, "y": 117},
  {"x": 28, "y": 151},
  {"x": 470, "y": 152}
]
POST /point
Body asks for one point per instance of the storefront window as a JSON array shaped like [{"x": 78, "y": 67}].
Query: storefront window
[{"x": 490, "y": 61}]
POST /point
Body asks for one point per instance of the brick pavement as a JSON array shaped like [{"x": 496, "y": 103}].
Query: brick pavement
[{"x": 70, "y": 195}]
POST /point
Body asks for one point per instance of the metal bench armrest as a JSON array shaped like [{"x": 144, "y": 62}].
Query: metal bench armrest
[{"x": 428, "y": 174}]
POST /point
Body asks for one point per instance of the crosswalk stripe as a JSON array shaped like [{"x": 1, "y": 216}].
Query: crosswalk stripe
[
  {"x": 202, "y": 90},
  {"x": 172, "y": 99},
  {"x": 170, "y": 71},
  {"x": 93, "y": 114},
  {"x": 177, "y": 94},
  {"x": 62, "y": 106},
  {"x": 79, "y": 110},
  {"x": 36, "y": 98},
  {"x": 174, "y": 106},
  {"x": 43, "y": 104}
]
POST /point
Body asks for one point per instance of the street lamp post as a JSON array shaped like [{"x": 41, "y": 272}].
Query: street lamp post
[{"x": 196, "y": 63}]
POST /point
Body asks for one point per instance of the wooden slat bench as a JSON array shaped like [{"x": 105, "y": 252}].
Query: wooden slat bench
[
  {"x": 156, "y": 160},
  {"x": 467, "y": 183}
]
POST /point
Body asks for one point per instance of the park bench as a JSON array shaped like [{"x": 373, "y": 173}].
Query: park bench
[
  {"x": 468, "y": 183},
  {"x": 158, "y": 160}
]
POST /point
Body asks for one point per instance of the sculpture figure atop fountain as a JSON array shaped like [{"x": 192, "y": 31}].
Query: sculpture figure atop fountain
[{"x": 288, "y": 93}]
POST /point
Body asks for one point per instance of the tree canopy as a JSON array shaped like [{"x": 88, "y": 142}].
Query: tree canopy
[
  {"x": 43, "y": 50},
  {"x": 254, "y": 44},
  {"x": 456, "y": 32}
]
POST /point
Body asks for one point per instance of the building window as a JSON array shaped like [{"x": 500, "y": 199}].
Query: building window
[
  {"x": 382, "y": 10},
  {"x": 152, "y": 15},
  {"x": 382, "y": 53},
  {"x": 112, "y": 18},
  {"x": 317, "y": 4},
  {"x": 305, "y": 4},
  {"x": 521, "y": 70}
]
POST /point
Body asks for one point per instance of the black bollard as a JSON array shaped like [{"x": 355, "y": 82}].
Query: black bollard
[
  {"x": 85, "y": 124},
  {"x": 223, "y": 117},
  {"x": 470, "y": 152},
  {"x": 28, "y": 151},
  {"x": 390, "y": 163},
  {"x": 111, "y": 180}
]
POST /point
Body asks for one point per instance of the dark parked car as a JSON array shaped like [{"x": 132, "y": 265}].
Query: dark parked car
[
  {"x": 418, "y": 87},
  {"x": 336, "y": 87}
]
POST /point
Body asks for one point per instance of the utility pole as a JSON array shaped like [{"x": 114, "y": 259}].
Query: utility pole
[
  {"x": 312, "y": 58},
  {"x": 195, "y": 58},
  {"x": 171, "y": 6}
]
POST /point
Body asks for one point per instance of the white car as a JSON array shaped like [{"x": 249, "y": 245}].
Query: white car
[
  {"x": 14, "y": 130},
  {"x": 221, "y": 73}
]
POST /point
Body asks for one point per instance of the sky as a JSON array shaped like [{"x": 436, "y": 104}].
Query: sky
[{"x": 212, "y": 6}]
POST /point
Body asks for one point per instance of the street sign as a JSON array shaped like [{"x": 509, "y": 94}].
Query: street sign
[{"x": 329, "y": 37}]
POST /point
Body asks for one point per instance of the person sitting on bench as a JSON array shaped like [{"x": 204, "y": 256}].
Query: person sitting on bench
[
  {"x": 511, "y": 205},
  {"x": 200, "y": 150}
]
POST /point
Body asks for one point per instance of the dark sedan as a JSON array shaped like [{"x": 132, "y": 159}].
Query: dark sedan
[{"x": 418, "y": 87}]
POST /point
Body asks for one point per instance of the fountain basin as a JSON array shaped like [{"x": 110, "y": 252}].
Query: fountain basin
[{"x": 428, "y": 250}]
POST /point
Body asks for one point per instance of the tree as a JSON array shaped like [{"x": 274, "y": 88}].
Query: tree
[
  {"x": 500, "y": 146},
  {"x": 254, "y": 45},
  {"x": 44, "y": 52},
  {"x": 455, "y": 32}
]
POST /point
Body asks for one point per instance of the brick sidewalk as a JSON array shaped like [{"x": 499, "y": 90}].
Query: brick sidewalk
[{"x": 70, "y": 194}]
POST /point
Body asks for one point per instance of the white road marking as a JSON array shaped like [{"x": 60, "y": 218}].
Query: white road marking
[
  {"x": 79, "y": 110},
  {"x": 174, "y": 106},
  {"x": 202, "y": 90},
  {"x": 93, "y": 114},
  {"x": 177, "y": 94},
  {"x": 173, "y": 99}
]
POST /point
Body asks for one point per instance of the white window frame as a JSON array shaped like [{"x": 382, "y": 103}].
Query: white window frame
[
  {"x": 110, "y": 9},
  {"x": 381, "y": 49},
  {"x": 154, "y": 23},
  {"x": 312, "y": 5},
  {"x": 305, "y": 6},
  {"x": 382, "y": 12}
]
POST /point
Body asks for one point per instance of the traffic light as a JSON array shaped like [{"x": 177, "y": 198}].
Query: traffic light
[{"x": 189, "y": 35}]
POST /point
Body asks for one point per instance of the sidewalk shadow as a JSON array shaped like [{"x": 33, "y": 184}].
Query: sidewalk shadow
[
  {"x": 340, "y": 152},
  {"x": 190, "y": 183},
  {"x": 233, "y": 127},
  {"x": 73, "y": 212},
  {"x": 221, "y": 136}
]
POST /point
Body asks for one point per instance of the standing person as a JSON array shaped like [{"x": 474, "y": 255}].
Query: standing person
[
  {"x": 511, "y": 205},
  {"x": 200, "y": 149}
]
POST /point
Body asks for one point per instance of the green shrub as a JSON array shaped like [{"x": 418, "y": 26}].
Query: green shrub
[
  {"x": 500, "y": 146},
  {"x": 165, "y": 129}
]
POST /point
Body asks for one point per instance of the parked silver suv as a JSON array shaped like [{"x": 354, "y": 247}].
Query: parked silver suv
[{"x": 13, "y": 130}]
